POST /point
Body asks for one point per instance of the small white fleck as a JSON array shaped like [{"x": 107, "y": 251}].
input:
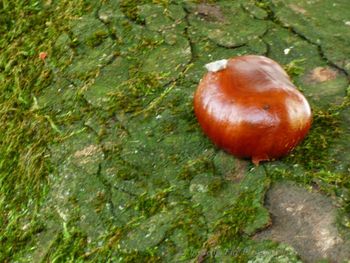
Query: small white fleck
[
  {"x": 104, "y": 17},
  {"x": 158, "y": 117},
  {"x": 287, "y": 50},
  {"x": 347, "y": 23},
  {"x": 216, "y": 65},
  {"x": 26, "y": 226}
]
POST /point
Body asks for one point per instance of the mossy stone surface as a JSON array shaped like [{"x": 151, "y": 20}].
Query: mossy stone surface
[
  {"x": 324, "y": 23},
  {"x": 123, "y": 171}
]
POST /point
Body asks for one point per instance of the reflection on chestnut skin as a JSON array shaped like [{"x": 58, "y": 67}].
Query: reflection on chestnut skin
[{"x": 250, "y": 108}]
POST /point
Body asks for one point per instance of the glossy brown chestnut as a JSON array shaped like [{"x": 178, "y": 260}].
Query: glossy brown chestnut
[{"x": 248, "y": 106}]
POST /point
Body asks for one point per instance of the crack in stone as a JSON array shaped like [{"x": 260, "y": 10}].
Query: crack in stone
[
  {"x": 318, "y": 46},
  {"x": 105, "y": 183},
  {"x": 267, "y": 44},
  {"x": 274, "y": 19},
  {"x": 262, "y": 36},
  {"x": 246, "y": 10},
  {"x": 108, "y": 188},
  {"x": 172, "y": 83},
  {"x": 230, "y": 46},
  {"x": 125, "y": 191},
  {"x": 187, "y": 34}
]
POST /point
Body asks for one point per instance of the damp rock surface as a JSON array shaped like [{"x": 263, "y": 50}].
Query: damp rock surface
[
  {"x": 307, "y": 221},
  {"x": 121, "y": 168},
  {"x": 135, "y": 178}
]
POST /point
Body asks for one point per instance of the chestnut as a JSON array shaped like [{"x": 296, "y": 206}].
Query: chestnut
[{"x": 248, "y": 106}]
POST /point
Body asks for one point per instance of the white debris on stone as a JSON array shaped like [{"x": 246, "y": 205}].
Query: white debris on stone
[
  {"x": 287, "y": 50},
  {"x": 216, "y": 65}
]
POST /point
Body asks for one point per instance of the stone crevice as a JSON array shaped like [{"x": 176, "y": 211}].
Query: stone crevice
[
  {"x": 108, "y": 189},
  {"x": 267, "y": 44},
  {"x": 111, "y": 35},
  {"x": 276, "y": 21},
  {"x": 229, "y": 46},
  {"x": 125, "y": 191},
  {"x": 172, "y": 83},
  {"x": 187, "y": 34}
]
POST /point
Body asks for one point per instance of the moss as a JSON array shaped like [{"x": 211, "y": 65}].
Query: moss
[
  {"x": 26, "y": 131},
  {"x": 149, "y": 205},
  {"x": 133, "y": 94},
  {"x": 192, "y": 223},
  {"x": 137, "y": 256},
  {"x": 205, "y": 1},
  {"x": 97, "y": 38},
  {"x": 313, "y": 152},
  {"x": 216, "y": 185},
  {"x": 295, "y": 68},
  {"x": 130, "y": 8},
  {"x": 197, "y": 166},
  {"x": 230, "y": 227},
  {"x": 67, "y": 245}
]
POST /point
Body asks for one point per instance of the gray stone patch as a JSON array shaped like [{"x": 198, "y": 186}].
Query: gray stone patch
[
  {"x": 306, "y": 221},
  {"x": 210, "y": 12}
]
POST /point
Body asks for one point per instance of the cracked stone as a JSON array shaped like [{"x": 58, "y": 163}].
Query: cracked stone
[
  {"x": 91, "y": 60},
  {"x": 111, "y": 79},
  {"x": 321, "y": 22},
  {"x": 155, "y": 176},
  {"x": 224, "y": 32},
  {"x": 151, "y": 232},
  {"x": 254, "y": 10},
  {"x": 78, "y": 190},
  {"x": 168, "y": 60},
  {"x": 330, "y": 90},
  {"x": 163, "y": 21}
]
